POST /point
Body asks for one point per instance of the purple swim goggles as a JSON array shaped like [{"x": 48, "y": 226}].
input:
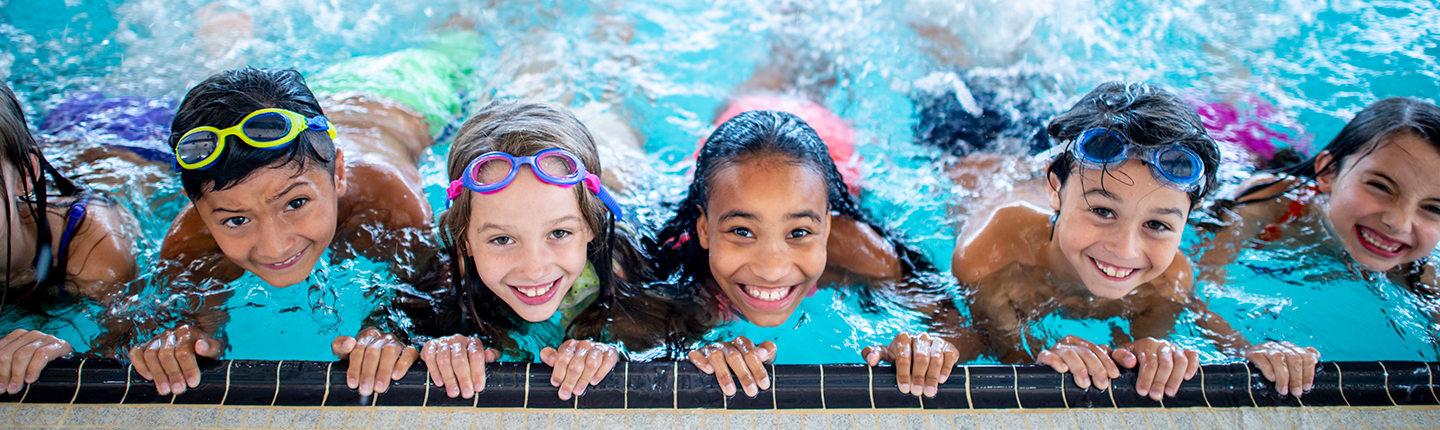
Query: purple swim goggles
[{"x": 493, "y": 171}]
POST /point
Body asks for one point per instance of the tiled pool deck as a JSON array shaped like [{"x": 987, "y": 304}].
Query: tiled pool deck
[{"x": 183, "y": 417}]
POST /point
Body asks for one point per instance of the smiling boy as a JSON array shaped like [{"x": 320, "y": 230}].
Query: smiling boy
[{"x": 275, "y": 183}]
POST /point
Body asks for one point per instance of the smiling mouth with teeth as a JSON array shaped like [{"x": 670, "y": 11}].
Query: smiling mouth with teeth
[
  {"x": 769, "y": 294},
  {"x": 535, "y": 291},
  {"x": 1112, "y": 271},
  {"x": 1379, "y": 242}
]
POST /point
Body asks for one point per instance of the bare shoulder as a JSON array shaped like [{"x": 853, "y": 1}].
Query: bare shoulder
[
  {"x": 1261, "y": 186},
  {"x": 101, "y": 256},
  {"x": 1011, "y": 233},
  {"x": 379, "y": 194}
]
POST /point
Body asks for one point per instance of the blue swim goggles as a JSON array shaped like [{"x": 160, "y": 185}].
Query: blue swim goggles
[
  {"x": 1175, "y": 166},
  {"x": 493, "y": 171}
]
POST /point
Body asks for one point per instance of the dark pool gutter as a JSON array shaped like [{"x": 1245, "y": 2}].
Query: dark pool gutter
[{"x": 671, "y": 385}]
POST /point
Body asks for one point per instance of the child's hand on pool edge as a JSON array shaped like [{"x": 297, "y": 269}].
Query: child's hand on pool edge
[
  {"x": 922, "y": 362},
  {"x": 741, "y": 357},
  {"x": 578, "y": 364},
  {"x": 169, "y": 359},
  {"x": 1163, "y": 365},
  {"x": 457, "y": 363},
  {"x": 23, "y": 353},
  {"x": 1086, "y": 360},
  {"x": 373, "y": 353},
  {"x": 1289, "y": 366}
]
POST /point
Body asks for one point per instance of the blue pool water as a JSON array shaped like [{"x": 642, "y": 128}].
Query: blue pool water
[{"x": 1319, "y": 62}]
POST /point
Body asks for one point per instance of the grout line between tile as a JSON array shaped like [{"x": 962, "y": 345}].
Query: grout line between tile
[
  {"x": 526, "y": 405},
  {"x": 24, "y": 394},
  {"x": 626, "y": 389},
  {"x": 229, "y": 365},
  {"x": 822, "y": 392},
  {"x": 1204, "y": 389},
  {"x": 278, "y": 366},
  {"x": 870, "y": 370},
  {"x": 1431, "y": 373},
  {"x": 78, "y": 371},
  {"x": 675, "y": 387},
  {"x": 1063, "y": 398},
  {"x": 1340, "y": 383},
  {"x": 325, "y": 398},
  {"x": 128, "y": 369},
  {"x": 1015, "y": 386},
  {"x": 1386, "y": 372},
  {"x": 1250, "y": 387},
  {"x": 774, "y": 386},
  {"x": 968, "y": 400},
  {"x": 426, "y": 400}
]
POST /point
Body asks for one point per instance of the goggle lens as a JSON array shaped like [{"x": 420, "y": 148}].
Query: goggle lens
[
  {"x": 1178, "y": 165},
  {"x": 491, "y": 171},
  {"x": 197, "y": 146},
  {"x": 559, "y": 166},
  {"x": 267, "y": 127},
  {"x": 1104, "y": 147}
]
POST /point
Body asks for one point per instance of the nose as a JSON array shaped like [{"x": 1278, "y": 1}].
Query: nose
[
  {"x": 535, "y": 263},
  {"x": 1125, "y": 245},
  {"x": 1397, "y": 221},
  {"x": 275, "y": 239},
  {"x": 772, "y": 263}
]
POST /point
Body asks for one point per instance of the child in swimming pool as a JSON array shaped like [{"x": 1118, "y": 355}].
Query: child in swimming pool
[
  {"x": 531, "y": 234},
  {"x": 1371, "y": 190},
  {"x": 750, "y": 241},
  {"x": 1136, "y": 161},
  {"x": 75, "y": 244},
  {"x": 275, "y": 182}
]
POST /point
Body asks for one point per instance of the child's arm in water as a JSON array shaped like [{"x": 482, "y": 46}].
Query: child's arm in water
[
  {"x": 190, "y": 263},
  {"x": 1260, "y": 203}
]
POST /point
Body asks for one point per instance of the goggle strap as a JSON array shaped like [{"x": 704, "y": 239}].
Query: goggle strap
[
  {"x": 593, "y": 183},
  {"x": 456, "y": 187}
]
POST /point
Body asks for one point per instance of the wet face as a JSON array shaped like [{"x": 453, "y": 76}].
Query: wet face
[
  {"x": 766, "y": 228},
  {"x": 1117, "y": 229},
  {"x": 276, "y": 224},
  {"x": 528, "y": 243},
  {"x": 1385, "y": 206}
]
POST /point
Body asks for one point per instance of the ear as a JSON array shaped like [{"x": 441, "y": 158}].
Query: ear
[
  {"x": 342, "y": 183},
  {"x": 702, "y": 230},
  {"x": 1054, "y": 192},
  {"x": 27, "y": 184},
  {"x": 1325, "y": 181}
]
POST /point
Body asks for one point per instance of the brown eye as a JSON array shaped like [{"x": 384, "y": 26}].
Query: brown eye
[{"x": 799, "y": 233}]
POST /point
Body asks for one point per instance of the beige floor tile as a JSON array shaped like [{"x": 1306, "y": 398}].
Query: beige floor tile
[
  {"x": 819, "y": 421},
  {"x": 1037, "y": 421},
  {"x": 436, "y": 419},
  {"x": 385, "y": 419},
  {"x": 890, "y": 422},
  {"x": 1419, "y": 419},
  {"x": 671, "y": 420},
  {"x": 789, "y": 421},
  {"x": 537, "y": 420},
  {"x": 1397, "y": 419},
  {"x": 283, "y": 418},
  {"x": 636, "y": 421},
  {"x": 105, "y": 416},
  {"x": 572, "y": 420},
  {"x": 359, "y": 419},
  {"x": 1371, "y": 419},
  {"x": 410, "y": 420},
  {"x": 206, "y": 417},
  {"x": 1135, "y": 419},
  {"x": 333, "y": 418},
  {"x": 912, "y": 421},
  {"x": 307, "y": 418},
  {"x": 1349, "y": 419},
  {"x": 1062, "y": 421},
  {"x": 79, "y": 416},
  {"x": 1087, "y": 419},
  {"x": 255, "y": 418},
  {"x": 486, "y": 421}
]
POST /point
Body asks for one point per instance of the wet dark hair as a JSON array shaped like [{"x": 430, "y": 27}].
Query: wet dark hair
[
  {"x": 753, "y": 136},
  {"x": 524, "y": 128},
  {"x": 1375, "y": 124},
  {"x": 224, "y": 99},
  {"x": 19, "y": 146},
  {"x": 1147, "y": 116}
]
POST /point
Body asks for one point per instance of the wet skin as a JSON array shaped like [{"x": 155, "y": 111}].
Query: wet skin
[
  {"x": 767, "y": 243},
  {"x": 529, "y": 237},
  {"x": 1385, "y": 206}
]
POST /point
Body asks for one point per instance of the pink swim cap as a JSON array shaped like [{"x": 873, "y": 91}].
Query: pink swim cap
[{"x": 836, "y": 132}]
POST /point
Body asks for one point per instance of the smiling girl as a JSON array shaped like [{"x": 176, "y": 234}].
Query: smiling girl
[
  {"x": 535, "y": 248},
  {"x": 754, "y": 236},
  {"x": 1372, "y": 190},
  {"x": 1135, "y": 161}
]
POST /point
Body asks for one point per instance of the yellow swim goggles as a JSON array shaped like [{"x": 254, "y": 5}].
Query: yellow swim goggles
[{"x": 265, "y": 129}]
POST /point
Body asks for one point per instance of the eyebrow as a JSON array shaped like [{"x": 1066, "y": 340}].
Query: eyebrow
[
  {"x": 287, "y": 190},
  {"x": 793, "y": 215},
  {"x": 494, "y": 226},
  {"x": 1103, "y": 193}
]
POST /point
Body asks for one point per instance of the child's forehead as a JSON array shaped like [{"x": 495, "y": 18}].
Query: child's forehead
[{"x": 270, "y": 181}]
